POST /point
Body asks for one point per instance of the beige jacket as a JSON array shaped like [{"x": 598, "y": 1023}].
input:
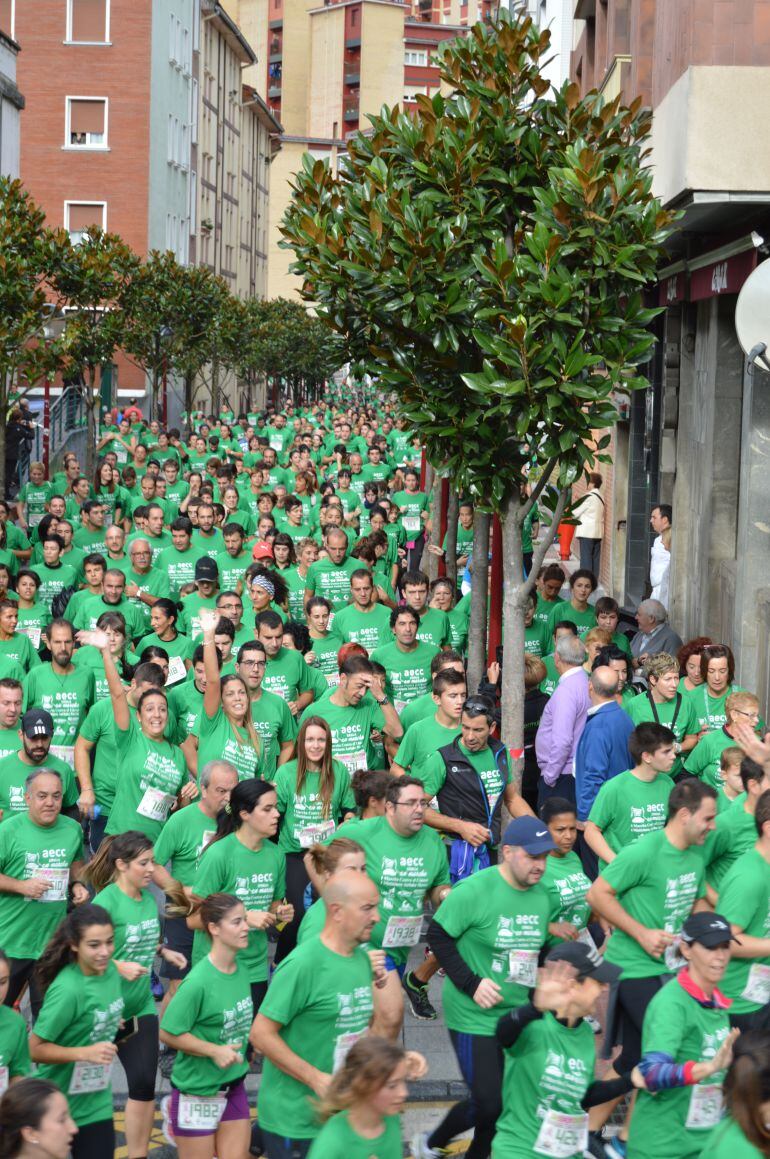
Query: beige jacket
[{"x": 589, "y": 511}]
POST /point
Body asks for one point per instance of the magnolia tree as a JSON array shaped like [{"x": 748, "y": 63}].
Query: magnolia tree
[{"x": 488, "y": 257}]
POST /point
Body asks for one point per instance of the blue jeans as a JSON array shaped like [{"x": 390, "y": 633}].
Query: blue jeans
[{"x": 563, "y": 787}]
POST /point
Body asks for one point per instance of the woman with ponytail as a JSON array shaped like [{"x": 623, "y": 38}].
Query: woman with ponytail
[
  {"x": 73, "y": 1042},
  {"x": 314, "y": 793},
  {"x": 242, "y": 860},
  {"x": 14, "y": 1048},
  {"x": 321, "y": 862},
  {"x": 745, "y": 1132},
  {"x": 226, "y": 729},
  {"x": 207, "y": 1023},
  {"x": 35, "y": 1122},
  {"x": 120, "y": 873},
  {"x": 363, "y": 1103}
]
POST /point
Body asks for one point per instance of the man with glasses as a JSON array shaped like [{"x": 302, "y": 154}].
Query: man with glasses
[
  {"x": 407, "y": 863},
  {"x": 144, "y": 583},
  {"x": 230, "y": 605},
  {"x": 272, "y": 717}
]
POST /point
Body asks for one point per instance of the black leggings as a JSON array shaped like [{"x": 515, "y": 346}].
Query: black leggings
[
  {"x": 481, "y": 1063},
  {"x": 634, "y": 996},
  {"x": 278, "y": 1147},
  {"x": 297, "y": 882},
  {"x": 22, "y": 970},
  {"x": 139, "y": 1058},
  {"x": 94, "y": 1141}
]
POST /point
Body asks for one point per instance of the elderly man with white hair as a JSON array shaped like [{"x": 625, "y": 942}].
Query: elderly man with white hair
[{"x": 655, "y": 633}]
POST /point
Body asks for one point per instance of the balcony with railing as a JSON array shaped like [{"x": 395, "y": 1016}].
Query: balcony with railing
[
  {"x": 350, "y": 109},
  {"x": 352, "y": 74}
]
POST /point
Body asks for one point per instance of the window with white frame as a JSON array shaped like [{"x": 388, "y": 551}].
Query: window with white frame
[
  {"x": 411, "y": 92},
  {"x": 86, "y": 123},
  {"x": 416, "y": 56},
  {"x": 88, "y": 22},
  {"x": 81, "y": 216}
]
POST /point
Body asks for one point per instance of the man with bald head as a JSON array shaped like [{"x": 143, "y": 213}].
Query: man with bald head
[
  {"x": 318, "y": 1004},
  {"x": 144, "y": 583},
  {"x": 602, "y": 751}
]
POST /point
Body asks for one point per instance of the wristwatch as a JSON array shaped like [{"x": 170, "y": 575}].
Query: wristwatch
[
  {"x": 677, "y": 747},
  {"x": 383, "y": 701}
]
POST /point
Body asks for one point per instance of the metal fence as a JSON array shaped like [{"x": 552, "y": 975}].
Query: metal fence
[{"x": 67, "y": 430}]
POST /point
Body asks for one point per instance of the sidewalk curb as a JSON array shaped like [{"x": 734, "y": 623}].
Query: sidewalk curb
[{"x": 421, "y": 1091}]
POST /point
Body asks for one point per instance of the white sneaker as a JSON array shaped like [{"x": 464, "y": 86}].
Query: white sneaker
[{"x": 421, "y": 1150}]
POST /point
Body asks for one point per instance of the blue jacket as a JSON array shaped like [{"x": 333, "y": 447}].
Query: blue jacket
[{"x": 602, "y": 753}]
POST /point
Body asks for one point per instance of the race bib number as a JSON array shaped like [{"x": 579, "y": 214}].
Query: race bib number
[
  {"x": 4, "y": 1079},
  {"x": 562, "y": 1136},
  {"x": 332, "y": 679},
  {"x": 155, "y": 804},
  {"x": 314, "y": 834},
  {"x": 65, "y": 752},
  {"x": 353, "y": 761},
  {"x": 585, "y": 937},
  {"x": 758, "y": 985},
  {"x": 400, "y": 705},
  {"x": 59, "y": 879},
  {"x": 33, "y": 634},
  {"x": 277, "y": 445},
  {"x": 411, "y": 524},
  {"x": 88, "y": 1077},
  {"x": 342, "y": 1045},
  {"x": 522, "y": 967},
  {"x": 35, "y": 518},
  {"x": 705, "y": 1107},
  {"x": 200, "y": 1114},
  {"x": 402, "y": 931},
  {"x": 176, "y": 670}
]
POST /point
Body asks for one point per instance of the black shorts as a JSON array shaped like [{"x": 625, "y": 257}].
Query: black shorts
[
  {"x": 180, "y": 938},
  {"x": 633, "y": 998}
]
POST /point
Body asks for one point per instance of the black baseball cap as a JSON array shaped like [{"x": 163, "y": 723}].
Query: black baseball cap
[
  {"x": 206, "y": 569},
  {"x": 708, "y": 929},
  {"x": 529, "y": 834},
  {"x": 37, "y": 722},
  {"x": 586, "y": 960}
]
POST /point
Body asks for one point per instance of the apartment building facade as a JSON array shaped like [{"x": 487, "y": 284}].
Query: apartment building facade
[
  {"x": 697, "y": 438},
  {"x": 11, "y": 99}
]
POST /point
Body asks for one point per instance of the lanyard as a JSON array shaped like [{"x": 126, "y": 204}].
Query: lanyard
[{"x": 654, "y": 708}]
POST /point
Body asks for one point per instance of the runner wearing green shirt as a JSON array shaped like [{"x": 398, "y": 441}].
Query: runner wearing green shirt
[
  {"x": 36, "y": 729},
  {"x": 14, "y": 1045},
  {"x": 33, "y": 498},
  {"x": 426, "y": 737},
  {"x": 364, "y": 621},
  {"x": 665, "y": 704},
  {"x": 331, "y": 577},
  {"x": 11, "y": 695},
  {"x": 646, "y": 894},
  {"x": 120, "y": 873},
  {"x": 233, "y": 561},
  {"x": 207, "y": 1024},
  {"x": 40, "y": 853},
  {"x": 15, "y": 645},
  {"x": 163, "y": 621},
  {"x": 33, "y": 616},
  {"x": 272, "y": 717},
  {"x": 357, "y": 707},
  {"x": 407, "y": 660},
  {"x": 717, "y": 669},
  {"x": 577, "y": 609},
  {"x": 178, "y": 561},
  {"x": 564, "y": 876},
  {"x": 548, "y": 589},
  {"x": 73, "y": 1041},
  {"x": 54, "y": 573},
  {"x": 61, "y": 689},
  {"x": 414, "y": 508},
  {"x": 686, "y": 1045},
  {"x": 287, "y": 674},
  {"x": 423, "y": 707},
  {"x": 363, "y": 1104},
  {"x": 735, "y": 831},
  {"x": 537, "y": 641},
  {"x": 635, "y": 802},
  {"x": 325, "y": 645},
  {"x": 314, "y": 795},
  {"x": 608, "y": 617},
  {"x": 744, "y": 899},
  {"x": 181, "y": 844},
  {"x": 243, "y": 860},
  {"x": 487, "y": 936},
  {"x": 741, "y": 1134},
  {"x": 705, "y": 759},
  {"x": 319, "y": 1004}
]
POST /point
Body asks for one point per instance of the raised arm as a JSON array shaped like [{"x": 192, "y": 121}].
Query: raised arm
[
  {"x": 212, "y": 696},
  {"x": 121, "y": 712}
]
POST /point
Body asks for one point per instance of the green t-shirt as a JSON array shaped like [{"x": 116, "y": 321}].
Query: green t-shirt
[
  {"x": 28, "y": 850},
  {"x": 20, "y": 649},
  {"x": 709, "y": 710},
  {"x": 219, "y": 739},
  {"x": 421, "y": 741},
  {"x": 433, "y": 772},
  {"x": 304, "y": 820},
  {"x": 705, "y": 759},
  {"x": 408, "y": 673},
  {"x": 422, "y": 708},
  {"x": 567, "y": 886},
  {"x": 186, "y": 699},
  {"x": 332, "y": 580},
  {"x": 10, "y": 742},
  {"x": 91, "y": 609},
  {"x": 189, "y": 617},
  {"x": 78, "y": 1010},
  {"x": 414, "y": 503},
  {"x": 296, "y": 584},
  {"x": 744, "y": 899},
  {"x": 255, "y": 877},
  {"x": 536, "y": 639},
  {"x": 677, "y": 1025},
  {"x": 179, "y": 567},
  {"x": 404, "y": 869},
  {"x": 33, "y": 621},
  {"x": 35, "y": 499},
  {"x": 137, "y": 936},
  {"x": 179, "y": 650},
  {"x": 658, "y": 886},
  {"x": 53, "y": 580},
  {"x": 232, "y": 569},
  {"x": 583, "y": 621},
  {"x": 435, "y": 628},
  {"x": 154, "y": 582},
  {"x": 287, "y": 674},
  {"x": 499, "y": 931},
  {"x": 337, "y": 1138},
  {"x": 67, "y": 698},
  {"x": 548, "y": 685},
  {"x": 99, "y": 729},
  {"x": 14, "y": 1047},
  {"x": 151, "y": 775},
  {"x": 275, "y": 725},
  {"x": 626, "y": 808},
  {"x": 182, "y": 841},
  {"x": 734, "y": 833},
  {"x": 90, "y": 541},
  {"x": 325, "y": 650},
  {"x": 545, "y": 609},
  {"x": 323, "y": 1003},
  {"x": 351, "y": 729},
  {"x": 369, "y": 629},
  {"x": 313, "y": 921},
  {"x": 215, "y": 1007},
  {"x": 547, "y": 1073},
  {"x": 727, "y": 1141},
  {"x": 642, "y": 708},
  {"x": 13, "y": 775}
]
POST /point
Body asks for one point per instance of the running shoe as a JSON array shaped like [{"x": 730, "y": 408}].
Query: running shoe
[
  {"x": 156, "y": 986},
  {"x": 166, "y": 1130},
  {"x": 421, "y": 1150},
  {"x": 417, "y": 997},
  {"x": 595, "y": 1148},
  {"x": 616, "y": 1148}
]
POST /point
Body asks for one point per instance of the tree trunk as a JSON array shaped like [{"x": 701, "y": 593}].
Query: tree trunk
[
  {"x": 215, "y": 386},
  {"x": 188, "y": 397},
  {"x": 3, "y": 427},
  {"x": 450, "y": 557},
  {"x": 477, "y": 630},
  {"x": 433, "y": 485},
  {"x": 515, "y": 592},
  {"x": 92, "y": 400}
]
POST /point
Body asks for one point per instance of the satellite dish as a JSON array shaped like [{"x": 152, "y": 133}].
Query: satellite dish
[{"x": 752, "y": 316}]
